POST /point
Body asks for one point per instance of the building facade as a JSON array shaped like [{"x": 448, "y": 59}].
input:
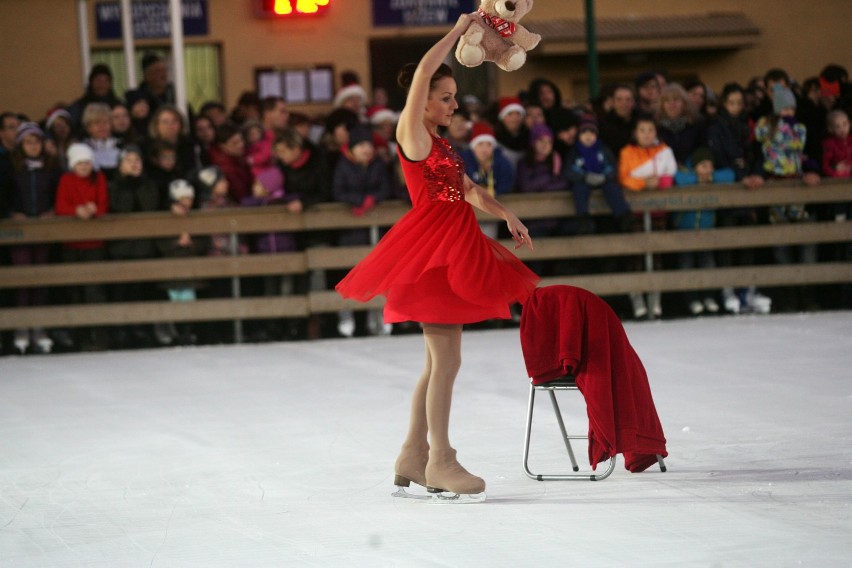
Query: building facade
[{"x": 231, "y": 49}]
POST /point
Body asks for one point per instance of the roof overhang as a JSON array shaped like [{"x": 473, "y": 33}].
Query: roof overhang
[{"x": 728, "y": 30}]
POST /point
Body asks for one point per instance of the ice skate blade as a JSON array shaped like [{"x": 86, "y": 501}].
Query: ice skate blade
[
  {"x": 448, "y": 497},
  {"x": 402, "y": 493}
]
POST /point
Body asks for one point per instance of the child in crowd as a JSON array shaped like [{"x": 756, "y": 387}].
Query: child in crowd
[
  {"x": 60, "y": 135},
  {"x": 182, "y": 196},
  {"x": 647, "y": 164},
  {"x": 699, "y": 170},
  {"x": 34, "y": 181},
  {"x": 782, "y": 139},
  {"x": 590, "y": 166},
  {"x": 268, "y": 189},
  {"x": 512, "y": 133},
  {"x": 541, "y": 170},
  {"x": 729, "y": 138},
  {"x": 163, "y": 169},
  {"x": 97, "y": 122},
  {"x": 383, "y": 122},
  {"x": 837, "y": 147},
  {"x": 82, "y": 193},
  {"x": 486, "y": 165},
  {"x": 131, "y": 191},
  {"x": 361, "y": 180}
]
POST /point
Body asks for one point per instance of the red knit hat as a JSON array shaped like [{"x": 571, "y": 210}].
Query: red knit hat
[
  {"x": 482, "y": 132},
  {"x": 510, "y": 104}
]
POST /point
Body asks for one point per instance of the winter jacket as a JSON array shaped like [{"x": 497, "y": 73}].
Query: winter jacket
[
  {"x": 269, "y": 243},
  {"x": 307, "y": 179},
  {"x": 700, "y": 219},
  {"x": 352, "y": 184},
  {"x": 683, "y": 137},
  {"x": 501, "y": 178},
  {"x": 575, "y": 168},
  {"x": 34, "y": 191},
  {"x": 130, "y": 195},
  {"x": 259, "y": 155},
  {"x": 74, "y": 191},
  {"x": 616, "y": 132},
  {"x": 729, "y": 138},
  {"x": 541, "y": 176},
  {"x": 636, "y": 164},
  {"x": 834, "y": 151},
  {"x": 236, "y": 170},
  {"x": 782, "y": 149}
]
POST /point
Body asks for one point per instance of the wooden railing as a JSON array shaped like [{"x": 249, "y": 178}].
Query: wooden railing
[{"x": 335, "y": 216}]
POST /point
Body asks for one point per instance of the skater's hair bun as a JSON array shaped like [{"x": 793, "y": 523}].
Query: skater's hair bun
[{"x": 406, "y": 75}]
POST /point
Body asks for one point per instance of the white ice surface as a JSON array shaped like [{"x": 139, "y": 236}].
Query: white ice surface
[{"x": 282, "y": 455}]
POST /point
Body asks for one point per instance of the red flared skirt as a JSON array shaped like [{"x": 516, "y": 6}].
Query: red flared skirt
[{"x": 436, "y": 266}]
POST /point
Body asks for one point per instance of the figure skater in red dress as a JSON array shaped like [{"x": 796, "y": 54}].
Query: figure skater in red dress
[{"x": 436, "y": 267}]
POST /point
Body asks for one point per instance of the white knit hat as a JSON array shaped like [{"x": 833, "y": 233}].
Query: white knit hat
[
  {"x": 181, "y": 188},
  {"x": 79, "y": 152}
]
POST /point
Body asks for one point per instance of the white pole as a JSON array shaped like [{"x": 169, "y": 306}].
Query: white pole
[
  {"x": 127, "y": 40},
  {"x": 83, "y": 27},
  {"x": 177, "y": 55}
]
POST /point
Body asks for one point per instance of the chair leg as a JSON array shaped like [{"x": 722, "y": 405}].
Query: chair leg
[
  {"x": 661, "y": 463},
  {"x": 565, "y": 437}
]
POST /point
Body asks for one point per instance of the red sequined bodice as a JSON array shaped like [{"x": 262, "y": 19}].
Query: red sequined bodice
[{"x": 439, "y": 177}]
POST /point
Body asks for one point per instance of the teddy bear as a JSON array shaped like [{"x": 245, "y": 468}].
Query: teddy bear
[{"x": 494, "y": 34}]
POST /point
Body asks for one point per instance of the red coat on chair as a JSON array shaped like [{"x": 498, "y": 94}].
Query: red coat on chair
[{"x": 568, "y": 330}]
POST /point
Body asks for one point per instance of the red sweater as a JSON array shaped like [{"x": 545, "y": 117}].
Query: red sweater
[
  {"x": 834, "y": 151},
  {"x": 74, "y": 191},
  {"x": 570, "y": 330}
]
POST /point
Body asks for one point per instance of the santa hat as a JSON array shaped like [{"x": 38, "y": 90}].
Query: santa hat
[
  {"x": 57, "y": 113},
  {"x": 348, "y": 91},
  {"x": 79, "y": 152},
  {"x": 482, "y": 132},
  {"x": 378, "y": 115},
  {"x": 181, "y": 188},
  {"x": 510, "y": 104}
]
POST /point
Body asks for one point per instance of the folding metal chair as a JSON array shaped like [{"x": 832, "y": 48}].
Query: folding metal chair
[{"x": 566, "y": 383}]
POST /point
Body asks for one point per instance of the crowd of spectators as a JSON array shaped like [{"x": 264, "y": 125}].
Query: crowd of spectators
[{"x": 109, "y": 154}]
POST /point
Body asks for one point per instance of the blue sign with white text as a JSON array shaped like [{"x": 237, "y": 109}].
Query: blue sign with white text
[
  {"x": 419, "y": 12},
  {"x": 150, "y": 19}
]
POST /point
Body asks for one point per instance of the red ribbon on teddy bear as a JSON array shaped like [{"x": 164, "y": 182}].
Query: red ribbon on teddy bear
[{"x": 501, "y": 26}]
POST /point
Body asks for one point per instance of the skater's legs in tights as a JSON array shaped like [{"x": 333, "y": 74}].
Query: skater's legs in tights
[
  {"x": 443, "y": 343},
  {"x": 418, "y": 426}
]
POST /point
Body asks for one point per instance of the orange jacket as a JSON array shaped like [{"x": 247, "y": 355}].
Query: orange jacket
[{"x": 636, "y": 164}]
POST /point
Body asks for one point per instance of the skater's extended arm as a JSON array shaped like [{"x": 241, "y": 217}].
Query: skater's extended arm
[
  {"x": 479, "y": 197},
  {"x": 410, "y": 131}
]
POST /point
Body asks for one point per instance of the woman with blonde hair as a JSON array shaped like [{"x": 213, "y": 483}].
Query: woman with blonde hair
[{"x": 680, "y": 126}]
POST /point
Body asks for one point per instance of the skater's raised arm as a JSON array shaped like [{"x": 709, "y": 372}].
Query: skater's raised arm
[{"x": 411, "y": 132}]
